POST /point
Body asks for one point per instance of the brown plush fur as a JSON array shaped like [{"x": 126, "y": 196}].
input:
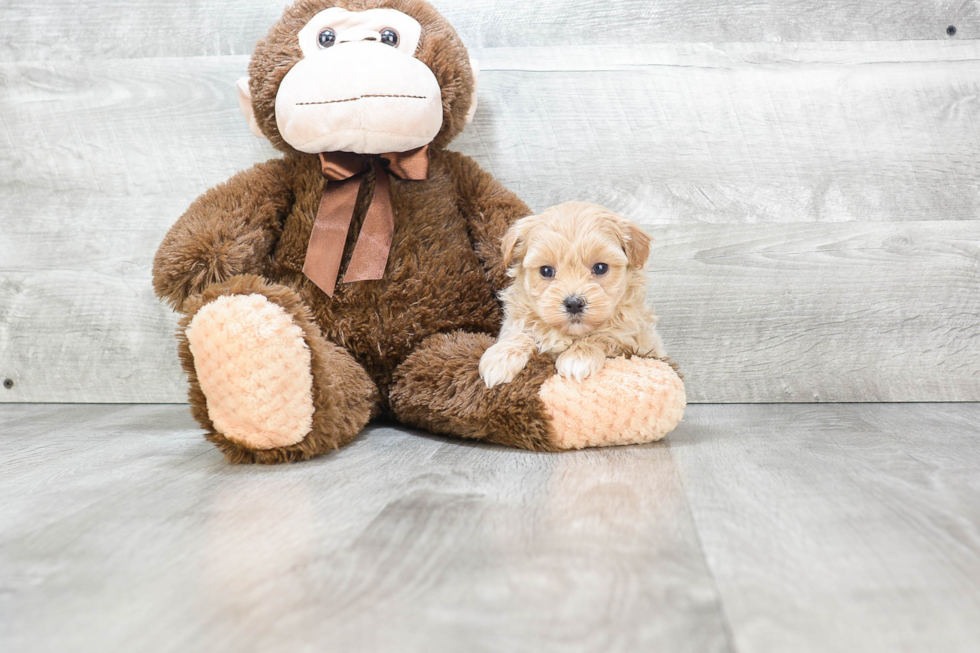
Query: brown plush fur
[
  {"x": 378, "y": 347},
  {"x": 344, "y": 397},
  {"x": 439, "y": 388}
]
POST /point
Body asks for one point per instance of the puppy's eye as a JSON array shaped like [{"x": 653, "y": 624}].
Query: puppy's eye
[
  {"x": 600, "y": 269},
  {"x": 389, "y": 37},
  {"x": 326, "y": 38},
  {"x": 547, "y": 271}
]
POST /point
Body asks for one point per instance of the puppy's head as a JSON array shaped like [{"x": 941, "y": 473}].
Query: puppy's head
[{"x": 573, "y": 264}]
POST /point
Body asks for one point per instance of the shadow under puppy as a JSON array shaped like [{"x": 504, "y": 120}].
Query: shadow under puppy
[{"x": 579, "y": 293}]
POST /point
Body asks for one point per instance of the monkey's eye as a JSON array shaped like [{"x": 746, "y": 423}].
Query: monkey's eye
[
  {"x": 600, "y": 269},
  {"x": 389, "y": 37},
  {"x": 326, "y": 38},
  {"x": 547, "y": 271}
]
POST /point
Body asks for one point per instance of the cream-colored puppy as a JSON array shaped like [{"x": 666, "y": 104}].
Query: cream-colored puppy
[{"x": 579, "y": 293}]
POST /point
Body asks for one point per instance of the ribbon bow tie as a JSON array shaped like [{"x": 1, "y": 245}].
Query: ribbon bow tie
[{"x": 344, "y": 173}]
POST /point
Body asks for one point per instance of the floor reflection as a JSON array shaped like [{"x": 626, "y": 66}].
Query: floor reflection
[{"x": 258, "y": 544}]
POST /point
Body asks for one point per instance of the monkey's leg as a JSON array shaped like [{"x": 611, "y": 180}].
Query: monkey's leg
[
  {"x": 439, "y": 388},
  {"x": 264, "y": 383}
]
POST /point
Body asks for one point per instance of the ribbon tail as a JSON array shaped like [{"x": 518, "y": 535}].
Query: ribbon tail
[
  {"x": 326, "y": 247},
  {"x": 370, "y": 255}
]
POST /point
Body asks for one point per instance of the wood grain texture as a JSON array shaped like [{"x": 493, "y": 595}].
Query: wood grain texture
[
  {"x": 130, "y": 29},
  {"x": 839, "y": 528},
  {"x": 799, "y": 312},
  {"x": 671, "y": 134},
  {"x": 740, "y": 133},
  {"x": 816, "y": 312},
  {"x": 815, "y": 206},
  {"x": 122, "y": 529}
]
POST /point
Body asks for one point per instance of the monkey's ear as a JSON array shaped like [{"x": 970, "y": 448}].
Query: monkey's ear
[
  {"x": 475, "y": 66},
  {"x": 245, "y": 104},
  {"x": 637, "y": 246}
]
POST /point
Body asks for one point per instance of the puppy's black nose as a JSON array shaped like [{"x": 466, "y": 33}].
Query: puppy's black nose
[{"x": 574, "y": 305}]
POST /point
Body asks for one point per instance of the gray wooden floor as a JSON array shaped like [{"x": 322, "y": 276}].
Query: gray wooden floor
[{"x": 835, "y": 527}]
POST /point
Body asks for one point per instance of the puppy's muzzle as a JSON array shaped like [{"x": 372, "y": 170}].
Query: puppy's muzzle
[{"x": 574, "y": 305}]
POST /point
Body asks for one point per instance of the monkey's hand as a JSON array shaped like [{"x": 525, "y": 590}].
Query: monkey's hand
[{"x": 230, "y": 230}]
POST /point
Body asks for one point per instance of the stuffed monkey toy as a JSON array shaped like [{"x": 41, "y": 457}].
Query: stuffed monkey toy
[{"x": 357, "y": 276}]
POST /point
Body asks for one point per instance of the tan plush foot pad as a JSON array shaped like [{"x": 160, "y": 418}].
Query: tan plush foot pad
[
  {"x": 254, "y": 369},
  {"x": 627, "y": 402}
]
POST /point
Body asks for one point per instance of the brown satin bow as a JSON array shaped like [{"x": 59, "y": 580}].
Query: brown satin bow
[{"x": 344, "y": 172}]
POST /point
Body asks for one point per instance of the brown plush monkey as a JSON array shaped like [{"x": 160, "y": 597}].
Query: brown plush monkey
[{"x": 357, "y": 276}]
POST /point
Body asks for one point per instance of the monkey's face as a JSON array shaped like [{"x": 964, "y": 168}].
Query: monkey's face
[
  {"x": 359, "y": 88},
  {"x": 358, "y": 81}
]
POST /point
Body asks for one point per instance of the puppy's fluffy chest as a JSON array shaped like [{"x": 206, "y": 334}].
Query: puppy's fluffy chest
[{"x": 615, "y": 341}]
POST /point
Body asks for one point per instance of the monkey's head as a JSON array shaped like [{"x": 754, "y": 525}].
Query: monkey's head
[{"x": 364, "y": 76}]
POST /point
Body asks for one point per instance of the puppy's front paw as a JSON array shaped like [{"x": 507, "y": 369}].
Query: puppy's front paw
[
  {"x": 579, "y": 364},
  {"x": 501, "y": 363}
]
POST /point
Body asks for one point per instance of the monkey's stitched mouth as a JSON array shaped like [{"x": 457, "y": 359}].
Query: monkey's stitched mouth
[{"x": 359, "y": 97}]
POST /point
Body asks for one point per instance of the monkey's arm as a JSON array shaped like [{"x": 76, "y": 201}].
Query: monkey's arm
[
  {"x": 489, "y": 209},
  {"x": 229, "y": 230}
]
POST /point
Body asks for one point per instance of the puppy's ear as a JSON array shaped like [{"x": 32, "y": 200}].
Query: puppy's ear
[
  {"x": 637, "y": 246},
  {"x": 635, "y": 241},
  {"x": 513, "y": 246}
]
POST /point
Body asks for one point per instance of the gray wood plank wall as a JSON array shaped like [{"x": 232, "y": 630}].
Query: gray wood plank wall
[{"x": 810, "y": 174}]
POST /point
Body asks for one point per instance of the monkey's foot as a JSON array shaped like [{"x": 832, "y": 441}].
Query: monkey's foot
[
  {"x": 627, "y": 402},
  {"x": 254, "y": 368}
]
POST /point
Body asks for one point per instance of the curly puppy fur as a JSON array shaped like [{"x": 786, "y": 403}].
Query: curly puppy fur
[{"x": 579, "y": 293}]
